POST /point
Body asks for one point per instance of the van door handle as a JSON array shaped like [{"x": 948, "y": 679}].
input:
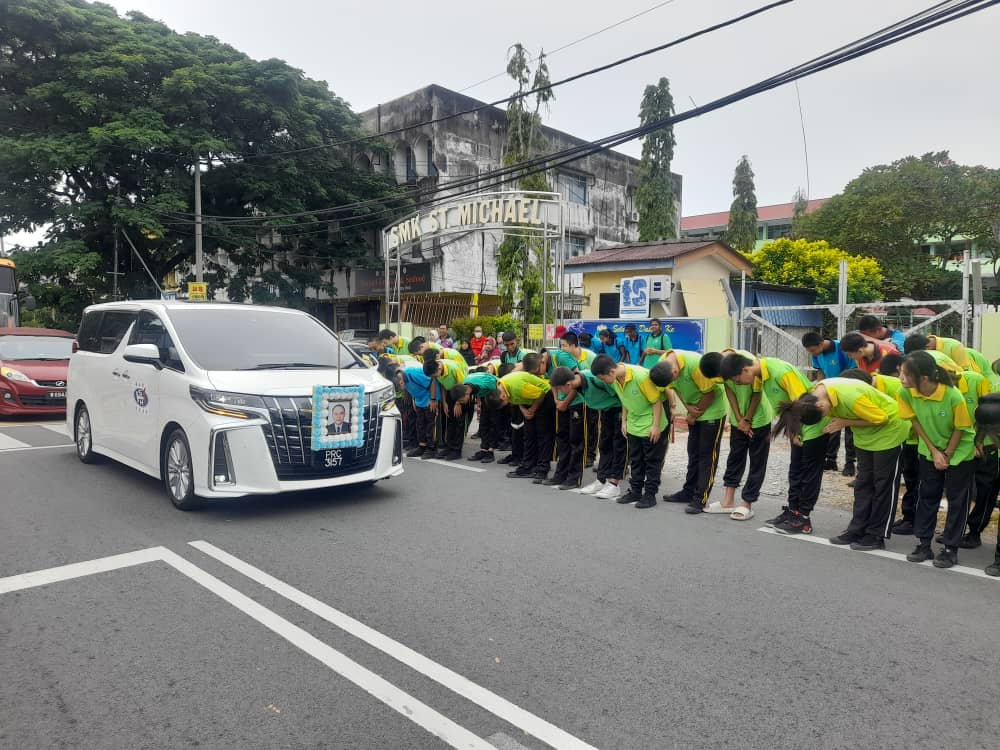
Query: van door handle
[{"x": 116, "y": 374}]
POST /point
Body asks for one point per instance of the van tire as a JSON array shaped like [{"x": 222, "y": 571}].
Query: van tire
[
  {"x": 177, "y": 470},
  {"x": 83, "y": 436}
]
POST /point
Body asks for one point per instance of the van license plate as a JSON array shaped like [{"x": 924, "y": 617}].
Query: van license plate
[{"x": 331, "y": 459}]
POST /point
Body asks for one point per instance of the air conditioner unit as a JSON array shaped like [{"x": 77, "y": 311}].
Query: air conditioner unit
[
  {"x": 633, "y": 217},
  {"x": 660, "y": 288}
]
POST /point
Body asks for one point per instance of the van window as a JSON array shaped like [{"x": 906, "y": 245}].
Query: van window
[
  {"x": 150, "y": 330},
  {"x": 87, "y": 337},
  {"x": 114, "y": 324}
]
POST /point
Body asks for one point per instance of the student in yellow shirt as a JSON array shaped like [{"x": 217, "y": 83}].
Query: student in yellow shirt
[{"x": 909, "y": 464}]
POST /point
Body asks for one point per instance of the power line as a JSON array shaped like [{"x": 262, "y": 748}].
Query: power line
[{"x": 591, "y": 35}]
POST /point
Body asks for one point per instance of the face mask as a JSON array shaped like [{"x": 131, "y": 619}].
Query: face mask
[{"x": 478, "y": 334}]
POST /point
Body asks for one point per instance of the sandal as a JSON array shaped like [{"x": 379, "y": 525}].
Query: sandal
[
  {"x": 717, "y": 507},
  {"x": 742, "y": 514}
]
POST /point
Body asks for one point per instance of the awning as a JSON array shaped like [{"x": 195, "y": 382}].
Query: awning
[{"x": 704, "y": 298}]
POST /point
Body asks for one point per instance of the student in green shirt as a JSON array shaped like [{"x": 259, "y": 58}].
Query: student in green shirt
[
  {"x": 694, "y": 378},
  {"x": 571, "y": 432},
  {"x": 482, "y": 387},
  {"x": 909, "y": 463},
  {"x": 974, "y": 387},
  {"x": 750, "y": 417},
  {"x": 657, "y": 344},
  {"x": 532, "y": 394},
  {"x": 783, "y": 383},
  {"x": 645, "y": 423},
  {"x": 599, "y": 398},
  {"x": 941, "y": 419},
  {"x": 447, "y": 375}
]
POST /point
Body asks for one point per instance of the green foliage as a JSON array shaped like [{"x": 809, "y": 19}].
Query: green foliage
[
  {"x": 742, "y": 231},
  {"x": 654, "y": 198},
  {"x": 520, "y": 261},
  {"x": 101, "y": 121},
  {"x": 816, "y": 265},
  {"x": 801, "y": 201},
  {"x": 888, "y": 211},
  {"x": 491, "y": 324}
]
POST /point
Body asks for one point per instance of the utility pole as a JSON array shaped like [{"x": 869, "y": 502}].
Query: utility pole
[
  {"x": 115, "y": 272},
  {"x": 199, "y": 265}
]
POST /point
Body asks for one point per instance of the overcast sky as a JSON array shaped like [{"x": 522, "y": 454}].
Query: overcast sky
[{"x": 934, "y": 92}]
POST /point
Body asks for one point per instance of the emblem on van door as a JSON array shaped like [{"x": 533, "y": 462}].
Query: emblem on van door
[{"x": 141, "y": 397}]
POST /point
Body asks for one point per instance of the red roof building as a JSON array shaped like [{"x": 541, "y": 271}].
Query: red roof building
[{"x": 773, "y": 222}]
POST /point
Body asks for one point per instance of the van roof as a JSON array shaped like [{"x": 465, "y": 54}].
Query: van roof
[{"x": 157, "y": 304}]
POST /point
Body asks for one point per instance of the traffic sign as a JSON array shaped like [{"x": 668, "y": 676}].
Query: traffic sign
[{"x": 197, "y": 291}]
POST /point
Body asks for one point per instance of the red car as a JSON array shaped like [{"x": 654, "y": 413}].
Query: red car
[{"x": 34, "y": 364}]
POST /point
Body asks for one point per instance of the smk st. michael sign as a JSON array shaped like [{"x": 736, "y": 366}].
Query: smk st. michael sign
[{"x": 530, "y": 211}]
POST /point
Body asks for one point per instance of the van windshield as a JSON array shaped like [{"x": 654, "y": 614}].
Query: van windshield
[{"x": 251, "y": 338}]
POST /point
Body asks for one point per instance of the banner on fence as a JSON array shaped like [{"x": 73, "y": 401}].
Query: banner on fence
[{"x": 685, "y": 333}]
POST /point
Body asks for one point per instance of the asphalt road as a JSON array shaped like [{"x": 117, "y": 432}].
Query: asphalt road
[{"x": 573, "y": 618}]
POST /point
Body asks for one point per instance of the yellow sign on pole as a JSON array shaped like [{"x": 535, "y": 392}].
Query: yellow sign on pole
[
  {"x": 535, "y": 331},
  {"x": 197, "y": 291}
]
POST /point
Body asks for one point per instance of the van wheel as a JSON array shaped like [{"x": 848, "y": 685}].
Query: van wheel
[
  {"x": 178, "y": 473},
  {"x": 83, "y": 436}
]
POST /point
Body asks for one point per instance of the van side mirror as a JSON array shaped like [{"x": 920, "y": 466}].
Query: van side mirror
[{"x": 143, "y": 354}]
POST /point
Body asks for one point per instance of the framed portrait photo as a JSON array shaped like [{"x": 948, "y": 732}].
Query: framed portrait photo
[{"x": 338, "y": 417}]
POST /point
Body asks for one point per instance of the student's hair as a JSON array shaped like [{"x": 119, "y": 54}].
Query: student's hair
[
  {"x": 414, "y": 346},
  {"x": 562, "y": 376},
  {"x": 856, "y": 373},
  {"x": 505, "y": 369},
  {"x": 655, "y": 320},
  {"x": 602, "y": 365},
  {"x": 492, "y": 401},
  {"x": 915, "y": 342},
  {"x": 459, "y": 391},
  {"x": 853, "y": 342},
  {"x": 662, "y": 374},
  {"x": 631, "y": 327},
  {"x": 432, "y": 355},
  {"x": 531, "y": 362},
  {"x": 890, "y": 364},
  {"x": 570, "y": 338},
  {"x": 732, "y": 365},
  {"x": 987, "y": 418},
  {"x": 386, "y": 335},
  {"x": 922, "y": 365},
  {"x": 431, "y": 367},
  {"x": 793, "y": 414},
  {"x": 711, "y": 364},
  {"x": 869, "y": 323},
  {"x": 812, "y": 339},
  {"x": 586, "y": 339},
  {"x": 387, "y": 368},
  {"x": 996, "y": 366},
  {"x": 508, "y": 336},
  {"x": 605, "y": 332}
]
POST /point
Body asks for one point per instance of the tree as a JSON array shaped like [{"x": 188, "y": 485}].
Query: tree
[
  {"x": 521, "y": 262},
  {"x": 816, "y": 265},
  {"x": 889, "y": 211},
  {"x": 742, "y": 231},
  {"x": 654, "y": 197},
  {"x": 102, "y": 120},
  {"x": 801, "y": 201}
]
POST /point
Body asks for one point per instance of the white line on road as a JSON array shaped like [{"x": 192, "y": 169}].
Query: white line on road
[
  {"x": 504, "y": 709},
  {"x": 80, "y": 569},
  {"x": 437, "y": 724},
  {"x": 8, "y": 443},
  {"x": 450, "y": 464},
  {"x": 974, "y": 572},
  {"x": 35, "y": 447}
]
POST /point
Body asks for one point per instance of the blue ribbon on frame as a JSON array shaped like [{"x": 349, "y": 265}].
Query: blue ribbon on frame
[{"x": 323, "y": 395}]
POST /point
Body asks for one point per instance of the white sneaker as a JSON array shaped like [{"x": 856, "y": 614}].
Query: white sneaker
[
  {"x": 610, "y": 492},
  {"x": 596, "y": 486}
]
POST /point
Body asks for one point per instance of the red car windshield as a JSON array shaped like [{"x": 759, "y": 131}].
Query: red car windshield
[{"x": 13, "y": 348}]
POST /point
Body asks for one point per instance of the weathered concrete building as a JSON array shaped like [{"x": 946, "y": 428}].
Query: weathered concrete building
[{"x": 442, "y": 275}]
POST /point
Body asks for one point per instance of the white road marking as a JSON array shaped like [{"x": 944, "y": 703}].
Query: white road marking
[
  {"x": 450, "y": 464},
  {"x": 504, "y": 709},
  {"x": 974, "y": 572},
  {"x": 420, "y": 713},
  {"x": 59, "y": 429},
  {"x": 437, "y": 724},
  {"x": 8, "y": 443},
  {"x": 79, "y": 570},
  {"x": 35, "y": 447}
]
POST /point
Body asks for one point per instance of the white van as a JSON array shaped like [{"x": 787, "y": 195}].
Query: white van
[{"x": 217, "y": 400}]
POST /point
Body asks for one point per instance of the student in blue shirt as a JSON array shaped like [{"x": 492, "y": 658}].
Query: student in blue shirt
[
  {"x": 872, "y": 327},
  {"x": 605, "y": 344},
  {"x": 418, "y": 386},
  {"x": 631, "y": 345},
  {"x": 830, "y": 362}
]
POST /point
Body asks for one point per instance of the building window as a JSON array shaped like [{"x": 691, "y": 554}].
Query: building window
[
  {"x": 777, "y": 231},
  {"x": 573, "y": 188},
  {"x": 607, "y": 304},
  {"x": 574, "y": 246}
]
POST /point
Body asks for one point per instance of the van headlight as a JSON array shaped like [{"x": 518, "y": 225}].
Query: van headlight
[
  {"x": 382, "y": 397},
  {"x": 225, "y": 404}
]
